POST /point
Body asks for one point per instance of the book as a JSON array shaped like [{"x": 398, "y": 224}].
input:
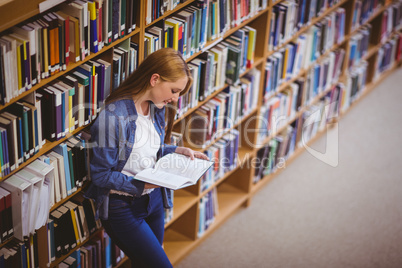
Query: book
[{"x": 175, "y": 171}]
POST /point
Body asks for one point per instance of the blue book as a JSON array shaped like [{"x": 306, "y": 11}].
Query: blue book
[
  {"x": 88, "y": 74},
  {"x": 52, "y": 246},
  {"x": 222, "y": 15},
  {"x": 77, "y": 257},
  {"x": 317, "y": 69},
  {"x": 62, "y": 150},
  {"x": 291, "y": 59},
  {"x": 94, "y": 36},
  {"x": 108, "y": 250},
  {"x": 302, "y": 14},
  {"x": 62, "y": 115},
  {"x": 313, "y": 47},
  {"x": 269, "y": 77},
  {"x": 245, "y": 49},
  {"x": 4, "y": 152},
  {"x": 213, "y": 33},
  {"x": 20, "y": 140}
]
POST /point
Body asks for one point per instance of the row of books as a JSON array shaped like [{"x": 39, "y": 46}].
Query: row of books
[
  {"x": 388, "y": 53},
  {"x": 24, "y": 128},
  {"x": 286, "y": 63},
  {"x": 32, "y": 195},
  {"x": 277, "y": 110},
  {"x": 359, "y": 44},
  {"x": 43, "y": 183},
  {"x": 156, "y": 8},
  {"x": 391, "y": 20},
  {"x": 363, "y": 9},
  {"x": 222, "y": 64},
  {"x": 224, "y": 154},
  {"x": 185, "y": 31},
  {"x": 125, "y": 62},
  {"x": 68, "y": 227},
  {"x": 99, "y": 251},
  {"x": 209, "y": 19},
  {"x": 42, "y": 47},
  {"x": 208, "y": 210},
  {"x": 223, "y": 112},
  {"x": 354, "y": 85},
  {"x": 323, "y": 75},
  {"x": 50, "y": 241},
  {"x": 273, "y": 155},
  {"x": 289, "y": 16},
  {"x": 316, "y": 116}
]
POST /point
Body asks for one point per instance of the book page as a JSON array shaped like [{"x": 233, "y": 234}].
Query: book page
[
  {"x": 182, "y": 165},
  {"x": 175, "y": 171},
  {"x": 161, "y": 178}
]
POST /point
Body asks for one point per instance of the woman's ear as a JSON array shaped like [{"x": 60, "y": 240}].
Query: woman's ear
[{"x": 154, "y": 79}]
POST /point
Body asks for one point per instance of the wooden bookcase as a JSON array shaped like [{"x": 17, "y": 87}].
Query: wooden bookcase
[{"x": 236, "y": 188}]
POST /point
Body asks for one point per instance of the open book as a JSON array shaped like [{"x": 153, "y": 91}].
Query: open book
[{"x": 175, "y": 171}]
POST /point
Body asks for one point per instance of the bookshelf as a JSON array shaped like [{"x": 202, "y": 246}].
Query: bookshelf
[{"x": 236, "y": 187}]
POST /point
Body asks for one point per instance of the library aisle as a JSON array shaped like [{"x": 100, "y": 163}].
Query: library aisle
[{"x": 315, "y": 215}]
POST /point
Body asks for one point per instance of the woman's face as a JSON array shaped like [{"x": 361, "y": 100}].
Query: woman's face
[{"x": 163, "y": 92}]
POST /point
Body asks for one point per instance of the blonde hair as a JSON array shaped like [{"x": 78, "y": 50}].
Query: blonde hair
[{"x": 170, "y": 66}]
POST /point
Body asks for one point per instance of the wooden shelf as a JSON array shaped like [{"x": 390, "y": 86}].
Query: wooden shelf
[
  {"x": 177, "y": 246},
  {"x": 182, "y": 202}
]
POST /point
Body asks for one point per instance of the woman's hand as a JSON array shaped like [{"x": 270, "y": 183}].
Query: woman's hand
[{"x": 190, "y": 153}]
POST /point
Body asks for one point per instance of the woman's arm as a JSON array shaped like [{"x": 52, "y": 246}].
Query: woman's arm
[{"x": 109, "y": 141}]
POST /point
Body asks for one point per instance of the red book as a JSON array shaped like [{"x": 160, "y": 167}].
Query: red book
[{"x": 64, "y": 20}]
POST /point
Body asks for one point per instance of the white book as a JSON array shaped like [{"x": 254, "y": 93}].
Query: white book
[
  {"x": 175, "y": 171},
  {"x": 46, "y": 171},
  {"x": 56, "y": 180},
  {"x": 37, "y": 183},
  {"x": 62, "y": 175},
  {"x": 20, "y": 199}
]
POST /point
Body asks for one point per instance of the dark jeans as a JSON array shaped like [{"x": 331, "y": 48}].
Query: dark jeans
[{"x": 137, "y": 227}]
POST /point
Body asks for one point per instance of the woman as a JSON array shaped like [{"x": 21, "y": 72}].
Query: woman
[{"x": 128, "y": 136}]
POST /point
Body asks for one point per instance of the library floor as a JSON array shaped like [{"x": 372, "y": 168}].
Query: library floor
[{"x": 315, "y": 215}]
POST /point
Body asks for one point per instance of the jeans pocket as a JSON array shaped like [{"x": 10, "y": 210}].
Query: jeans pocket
[{"x": 118, "y": 205}]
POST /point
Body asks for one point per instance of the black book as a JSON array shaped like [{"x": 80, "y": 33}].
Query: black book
[
  {"x": 18, "y": 110},
  {"x": 88, "y": 210},
  {"x": 134, "y": 15},
  {"x": 115, "y": 19},
  {"x": 2, "y": 79},
  {"x": 48, "y": 101},
  {"x": 129, "y": 15},
  {"x": 68, "y": 235},
  {"x": 58, "y": 233}
]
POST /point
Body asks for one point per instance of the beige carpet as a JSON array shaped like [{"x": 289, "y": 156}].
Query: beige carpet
[{"x": 314, "y": 215}]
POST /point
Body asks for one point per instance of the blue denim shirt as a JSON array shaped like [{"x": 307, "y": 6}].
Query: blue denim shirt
[{"x": 112, "y": 140}]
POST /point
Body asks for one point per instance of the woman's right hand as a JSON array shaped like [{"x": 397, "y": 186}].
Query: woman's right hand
[{"x": 150, "y": 186}]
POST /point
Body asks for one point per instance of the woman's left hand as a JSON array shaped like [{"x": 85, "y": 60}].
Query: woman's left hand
[{"x": 191, "y": 153}]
